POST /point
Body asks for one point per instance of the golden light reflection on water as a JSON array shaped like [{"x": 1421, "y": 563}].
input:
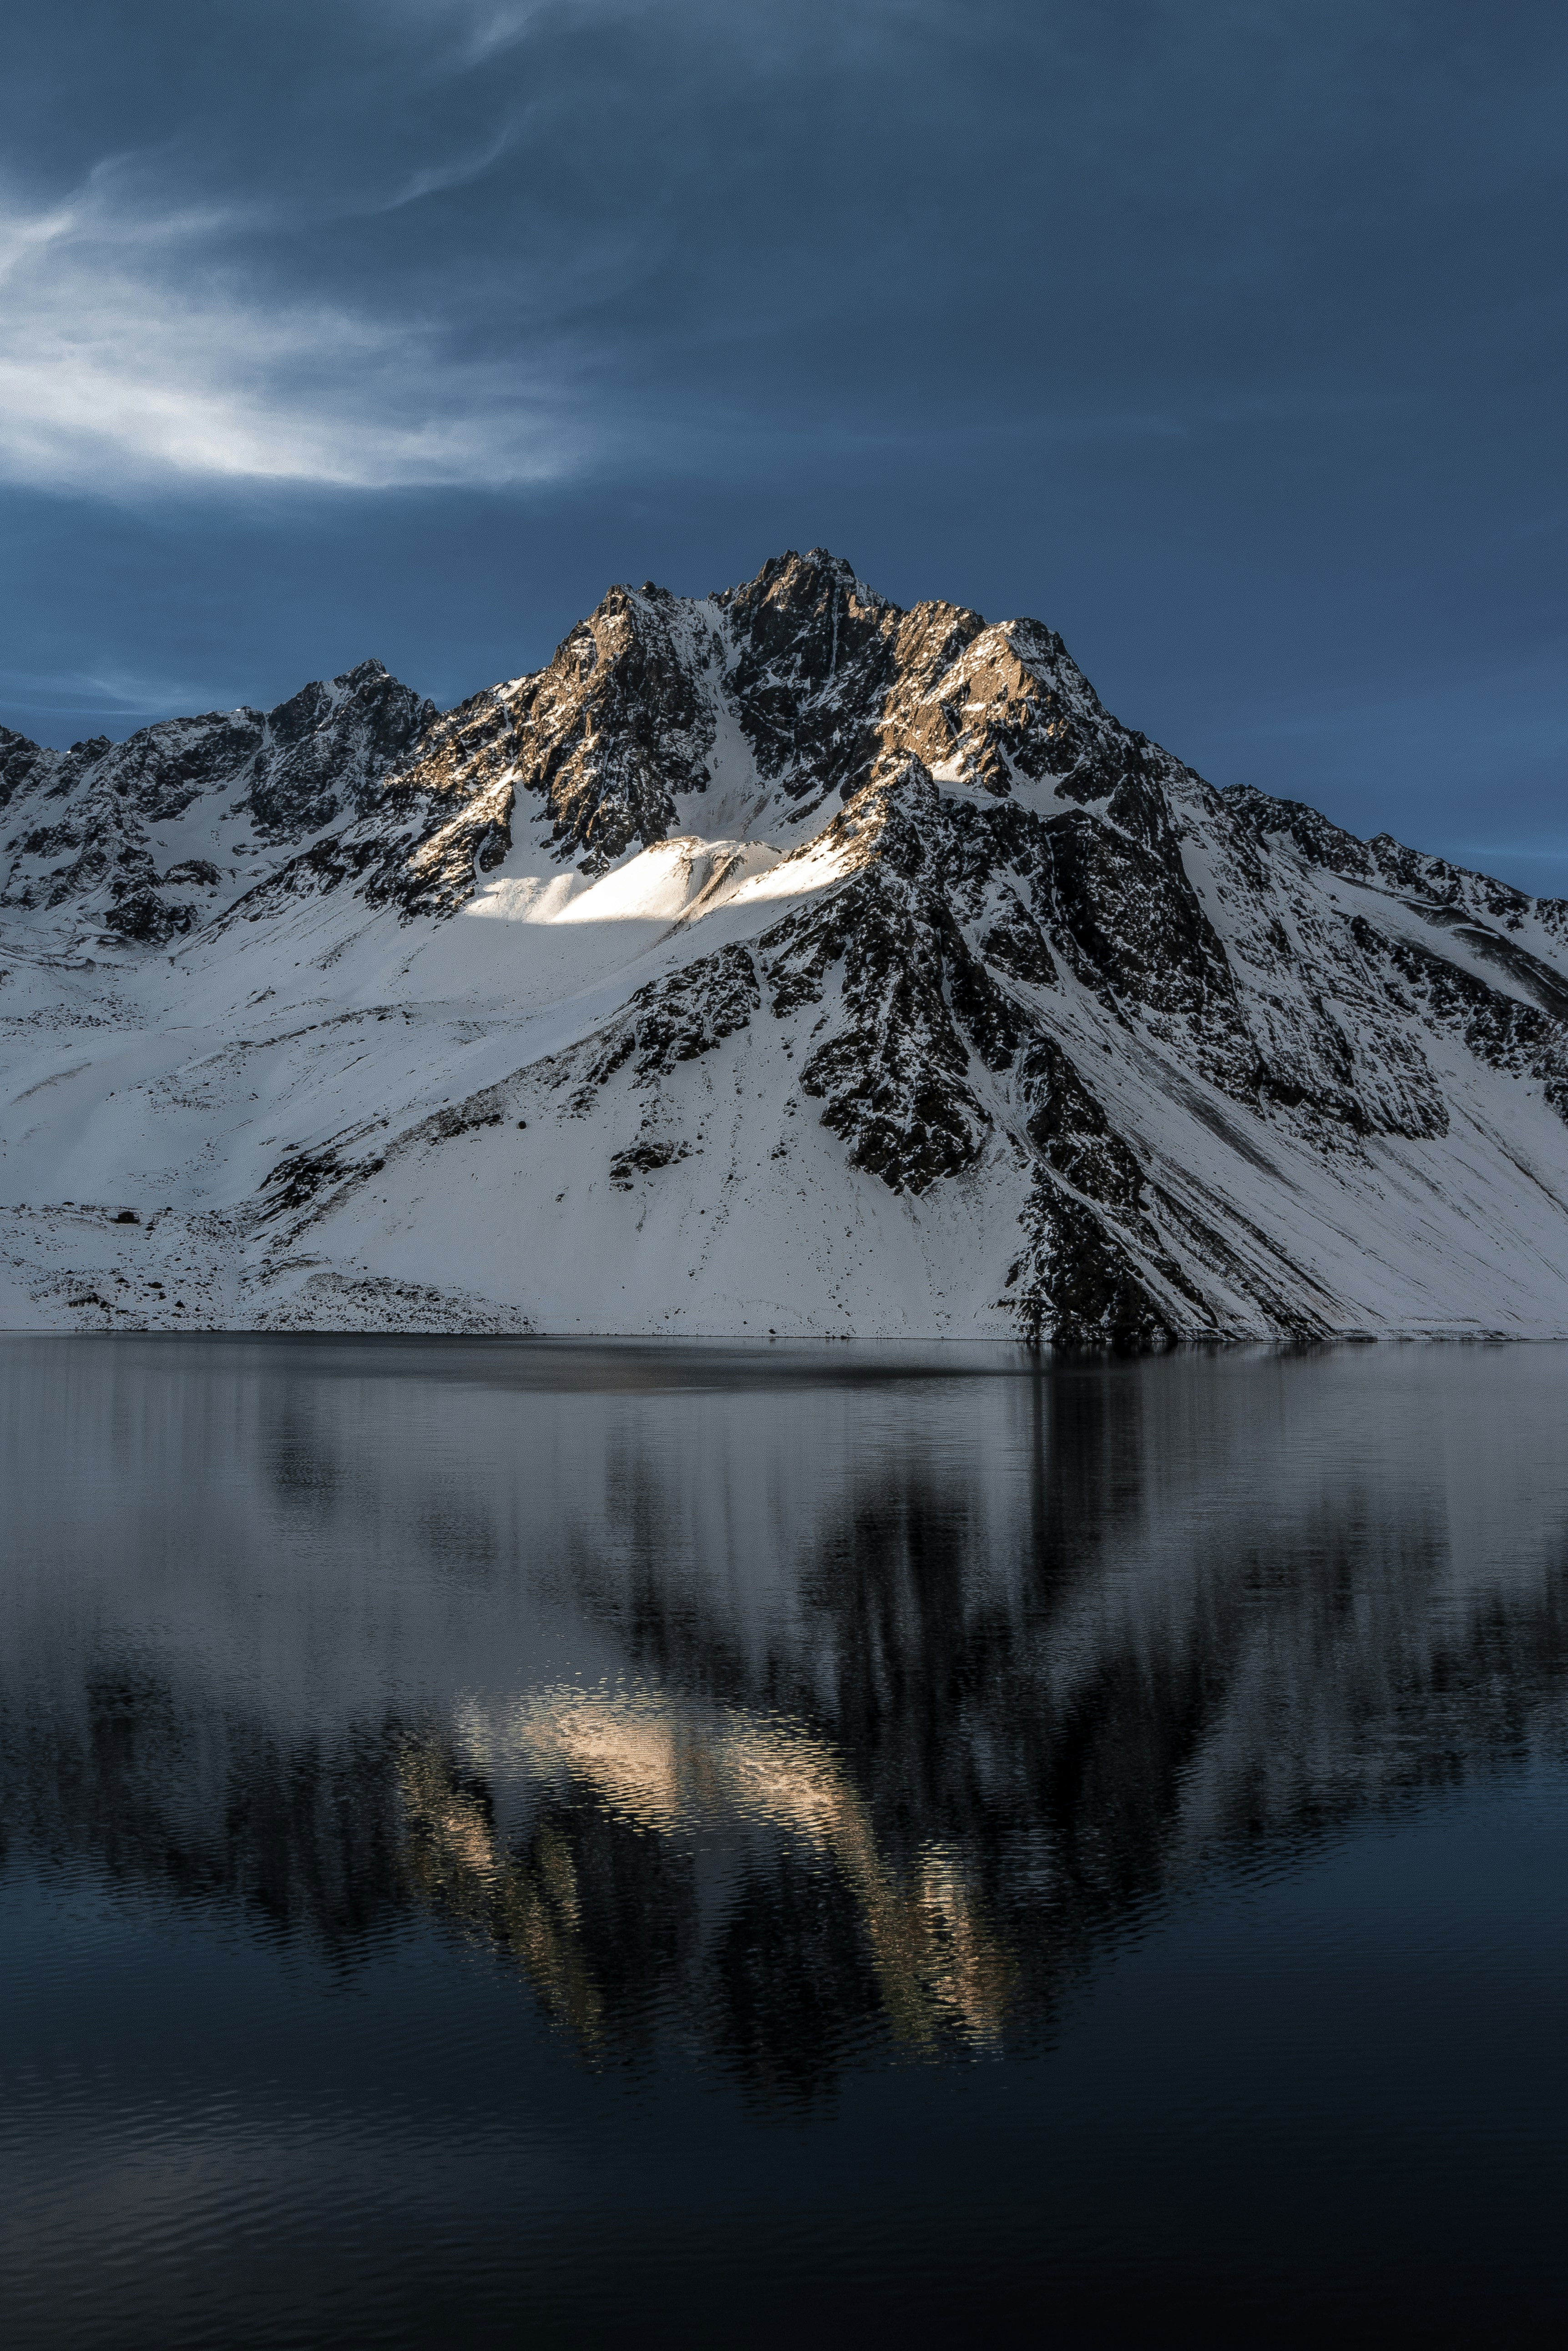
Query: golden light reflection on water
[{"x": 680, "y": 1773}]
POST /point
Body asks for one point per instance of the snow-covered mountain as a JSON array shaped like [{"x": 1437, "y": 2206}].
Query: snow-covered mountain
[{"x": 777, "y": 961}]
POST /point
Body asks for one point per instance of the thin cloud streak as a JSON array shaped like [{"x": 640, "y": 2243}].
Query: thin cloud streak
[
  {"x": 437, "y": 179},
  {"x": 111, "y": 694},
  {"x": 133, "y": 350}
]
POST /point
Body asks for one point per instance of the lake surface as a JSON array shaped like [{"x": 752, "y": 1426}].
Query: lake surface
[{"x": 527, "y": 1843}]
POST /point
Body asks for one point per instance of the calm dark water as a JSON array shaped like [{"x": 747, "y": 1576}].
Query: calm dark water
[{"x": 566, "y": 1843}]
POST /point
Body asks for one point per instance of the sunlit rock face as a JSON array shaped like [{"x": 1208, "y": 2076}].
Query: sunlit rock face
[{"x": 778, "y": 960}]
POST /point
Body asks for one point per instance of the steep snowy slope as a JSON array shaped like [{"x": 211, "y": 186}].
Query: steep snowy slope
[{"x": 780, "y": 961}]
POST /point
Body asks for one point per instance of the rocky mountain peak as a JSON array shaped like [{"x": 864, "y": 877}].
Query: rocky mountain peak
[
  {"x": 801, "y": 611},
  {"x": 831, "y": 961}
]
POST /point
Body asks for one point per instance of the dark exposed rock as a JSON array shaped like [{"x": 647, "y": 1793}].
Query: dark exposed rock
[
  {"x": 891, "y": 1074},
  {"x": 291, "y": 771},
  {"x": 677, "y": 1020},
  {"x": 1081, "y": 1284},
  {"x": 142, "y": 915},
  {"x": 325, "y": 751},
  {"x": 643, "y": 1158},
  {"x": 307, "y": 1180}
]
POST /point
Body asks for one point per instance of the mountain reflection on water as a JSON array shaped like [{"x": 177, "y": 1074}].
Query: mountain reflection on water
[
  {"x": 783, "y": 1707},
  {"x": 914, "y": 1948}
]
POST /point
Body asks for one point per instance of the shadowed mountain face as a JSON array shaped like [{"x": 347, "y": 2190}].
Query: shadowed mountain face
[
  {"x": 804, "y": 1711},
  {"x": 779, "y": 960},
  {"x": 89, "y": 816}
]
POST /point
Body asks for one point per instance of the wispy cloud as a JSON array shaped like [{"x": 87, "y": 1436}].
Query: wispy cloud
[
  {"x": 469, "y": 33},
  {"x": 135, "y": 348},
  {"x": 435, "y": 179},
  {"x": 97, "y": 695}
]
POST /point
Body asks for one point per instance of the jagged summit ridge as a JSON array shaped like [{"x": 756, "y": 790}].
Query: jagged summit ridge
[
  {"x": 778, "y": 959},
  {"x": 81, "y": 822},
  {"x": 771, "y": 701}
]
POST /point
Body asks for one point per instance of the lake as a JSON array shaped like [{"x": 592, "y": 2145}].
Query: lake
[{"x": 522, "y": 1841}]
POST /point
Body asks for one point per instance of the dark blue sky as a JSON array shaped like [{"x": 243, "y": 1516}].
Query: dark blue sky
[{"x": 1228, "y": 338}]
